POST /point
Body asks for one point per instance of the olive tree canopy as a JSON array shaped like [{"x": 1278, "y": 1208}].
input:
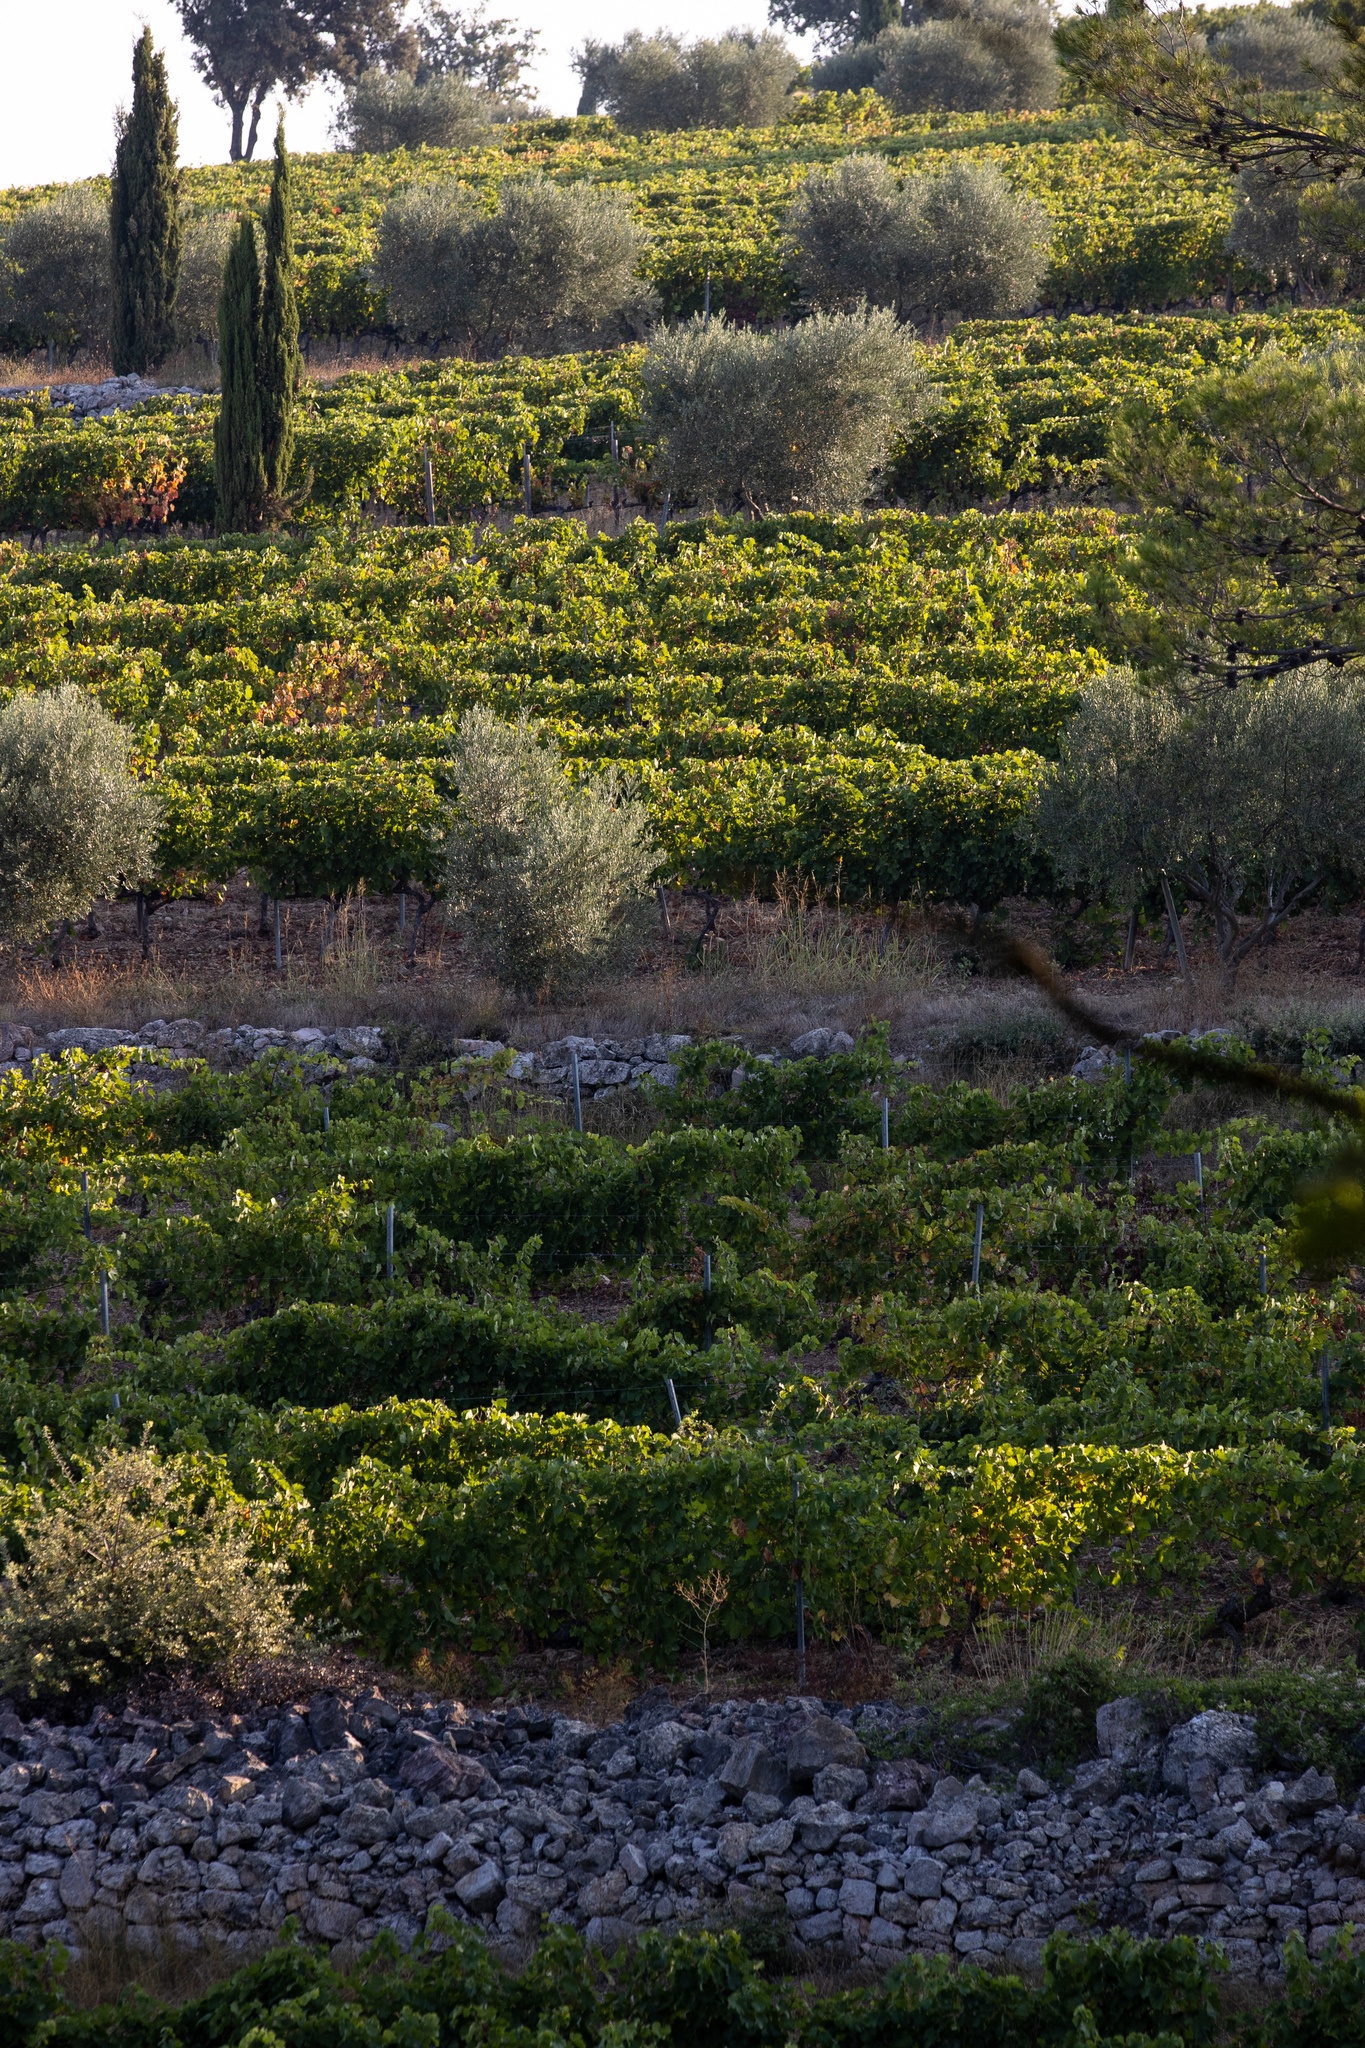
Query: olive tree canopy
[
  {"x": 1247, "y": 800},
  {"x": 551, "y": 265},
  {"x": 56, "y": 284},
  {"x": 739, "y": 80},
  {"x": 204, "y": 249},
  {"x": 548, "y": 875},
  {"x": 386, "y": 110},
  {"x": 963, "y": 241},
  {"x": 800, "y": 417},
  {"x": 74, "y": 821}
]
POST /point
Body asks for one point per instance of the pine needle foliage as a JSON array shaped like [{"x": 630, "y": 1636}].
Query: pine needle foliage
[
  {"x": 280, "y": 367},
  {"x": 144, "y": 219},
  {"x": 74, "y": 821},
  {"x": 239, "y": 473}
]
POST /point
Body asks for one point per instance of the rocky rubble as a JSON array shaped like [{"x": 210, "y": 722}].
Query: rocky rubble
[
  {"x": 357, "y": 1815},
  {"x": 1094, "y": 1061},
  {"x": 604, "y": 1064},
  {"x": 355, "y": 1048},
  {"x": 97, "y": 401}
]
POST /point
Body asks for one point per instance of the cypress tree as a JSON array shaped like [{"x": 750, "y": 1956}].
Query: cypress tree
[
  {"x": 144, "y": 219},
  {"x": 281, "y": 366},
  {"x": 874, "y": 16},
  {"x": 238, "y": 467}
]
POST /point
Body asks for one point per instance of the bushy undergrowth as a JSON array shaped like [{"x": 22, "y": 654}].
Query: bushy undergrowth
[
  {"x": 129, "y": 1563},
  {"x": 1112, "y": 1992}
]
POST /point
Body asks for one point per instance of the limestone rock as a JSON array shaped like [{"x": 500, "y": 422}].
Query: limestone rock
[
  {"x": 819, "y": 1741},
  {"x": 482, "y": 1889},
  {"x": 1122, "y": 1730},
  {"x": 1226, "y": 1740},
  {"x": 820, "y": 1043}
]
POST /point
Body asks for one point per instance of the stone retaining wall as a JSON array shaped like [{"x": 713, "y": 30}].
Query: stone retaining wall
[
  {"x": 604, "y": 1064},
  {"x": 355, "y": 1815}
]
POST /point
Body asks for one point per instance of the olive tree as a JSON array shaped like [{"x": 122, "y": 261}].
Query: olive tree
[
  {"x": 1247, "y": 801},
  {"x": 74, "y": 820},
  {"x": 739, "y": 80},
  {"x": 797, "y": 418},
  {"x": 973, "y": 245},
  {"x": 387, "y": 110},
  {"x": 549, "y": 266},
  {"x": 1284, "y": 52},
  {"x": 963, "y": 241},
  {"x": 1307, "y": 236},
  {"x": 548, "y": 875},
  {"x": 204, "y": 246},
  {"x": 854, "y": 69},
  {"x": 971, "y": 56},
  {"x": 56, "y": 262},
  {"x": 126, "y": 1566}
]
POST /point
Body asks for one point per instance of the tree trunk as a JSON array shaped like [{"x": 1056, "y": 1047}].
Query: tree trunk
[
  {"x": 254, "y": 130},
  {"x": 423, "y": 903},
  {"x": 1176, "y": 934},
  {"x": 237, "y": 109}
]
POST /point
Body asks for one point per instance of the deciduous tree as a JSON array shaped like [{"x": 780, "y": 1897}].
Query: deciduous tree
[{"x": 247, "y": 49}]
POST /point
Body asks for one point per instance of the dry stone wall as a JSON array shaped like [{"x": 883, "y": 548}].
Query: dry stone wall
[
  {"x": 605, "y": 1065},
  {"x": 357, "y": 1815}
]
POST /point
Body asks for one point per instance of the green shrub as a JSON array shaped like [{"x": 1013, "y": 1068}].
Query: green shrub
[
  {"x": 548, "y": 875},
  {"x": 127, "y": 1567},
  {"x": 827, "y": 1099},
  {"x": 1058, "y": 1717}
]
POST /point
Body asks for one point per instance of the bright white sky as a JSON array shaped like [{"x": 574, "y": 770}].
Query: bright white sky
[{"x": 67, "y": 66}]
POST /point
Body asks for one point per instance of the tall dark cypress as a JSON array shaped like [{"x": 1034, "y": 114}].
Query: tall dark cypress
[
  {"x": 281, "y": 366},
  {"x": 144, "y": 219},
  {"x": 238, "y": 466},
  {"x": 874, "y": 16}
]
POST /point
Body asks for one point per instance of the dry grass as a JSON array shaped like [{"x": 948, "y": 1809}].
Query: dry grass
[
  {"x": 1157, "y": 1638},
  {"x": 167, "y": 1970},
  {"x": 30, "y": 373},
  {"x": 769, "y": 971}
]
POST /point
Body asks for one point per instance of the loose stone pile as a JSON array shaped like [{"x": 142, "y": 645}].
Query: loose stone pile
[
  {"x": 356, "y": 1815},
  {"x": 1094, "y": 1061},
  {"x": 604, "y": 1064},
  {"x": 96, "y": 401},
  {"x": 358, "y": 1048}
]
